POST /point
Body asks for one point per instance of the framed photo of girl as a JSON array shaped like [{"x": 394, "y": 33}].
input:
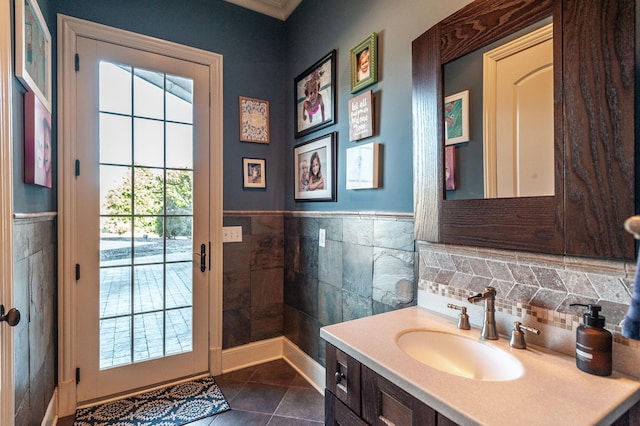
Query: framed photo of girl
[
  {"x": 315, "y": 93},
  {"x": 364, "y": 63},
  {"x": 314, "y": 163}
]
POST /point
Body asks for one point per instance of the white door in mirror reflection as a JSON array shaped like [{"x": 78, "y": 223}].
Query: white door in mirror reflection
[{"x": 518, "y": 94}]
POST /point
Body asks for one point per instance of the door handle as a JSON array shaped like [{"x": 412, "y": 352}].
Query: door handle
[
  {"x": 12, "y": 317},
  {"x": 203, "y": 257}
]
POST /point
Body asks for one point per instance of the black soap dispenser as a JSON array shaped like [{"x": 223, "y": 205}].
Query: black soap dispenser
[{"x": 594, "y": 344}]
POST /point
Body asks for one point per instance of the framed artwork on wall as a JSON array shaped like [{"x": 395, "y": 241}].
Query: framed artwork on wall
[
  {"x": 315, "y": 95},
  {"x": 315, "y": 169},
  {"x": 361, "y": 116},
  {"x": 363, "y": 166},
  {"x": 364, "y": 63},
  {"x": 254, "y": 120},
  {"x": 450, "y": 168},
  {"x": 254, "y": 172},
  {"x": 38, "y": 168},
  {"x": 33, "y": 50},
  {"x": 456, "y": 118}
]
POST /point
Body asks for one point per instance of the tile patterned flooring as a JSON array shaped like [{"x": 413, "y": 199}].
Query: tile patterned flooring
[{"x": 272, "y": 394}]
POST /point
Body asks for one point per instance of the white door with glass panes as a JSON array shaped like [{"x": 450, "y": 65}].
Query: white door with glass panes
[{"x": 143, "y": 218}]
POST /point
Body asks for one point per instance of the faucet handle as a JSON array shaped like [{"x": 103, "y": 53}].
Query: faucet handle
[
  {"x": 463, "y": 318},
  {"x": 517, "y": 335}
]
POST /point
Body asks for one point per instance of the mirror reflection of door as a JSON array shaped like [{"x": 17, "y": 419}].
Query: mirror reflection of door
[{"x": 518, "y": 94}]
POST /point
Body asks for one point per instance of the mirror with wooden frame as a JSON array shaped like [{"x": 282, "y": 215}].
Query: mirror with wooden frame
[{"x": 594, "y": 131}]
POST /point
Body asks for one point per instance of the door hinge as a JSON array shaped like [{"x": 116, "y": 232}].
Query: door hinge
[
  {"x": 77, "y": 62},
  {"x": 77, "y": 272},
  {"x": 77, "y": 375},
  {"x": 77, "y": 171}
]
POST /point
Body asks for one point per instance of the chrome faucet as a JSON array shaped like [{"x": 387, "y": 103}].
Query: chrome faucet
[{"x": 489, "y": 331}]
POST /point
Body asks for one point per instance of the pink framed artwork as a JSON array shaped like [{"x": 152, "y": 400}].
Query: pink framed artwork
[
  {"x": 37, "y": 142},
  {"x": 450, "y": 167}
]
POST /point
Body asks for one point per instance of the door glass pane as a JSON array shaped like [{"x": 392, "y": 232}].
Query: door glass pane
[
  {"x": 148, "y": 100},
  {"x": 148, "y": 332},
  {"x": 148, "y": 149},
  {"x": 115, "y": 342},
  {"x": 179, "y": 330},
  {"x": 179, "y": 242},
  {"x": 148, "y": 244},
  {"x": 115, "y": 292},
  {"x": 179, "y": 286},
  {"x": 115, "y": 192},
  {"x": 115, "y": 88},
  {"x": 148, "y": 197},
  {"x": 179, "y": 192},
  {"x": 115, "y": 240},
  {"x": 179, "y": 99},
  {"x": 146, "y": 218},
  {"x": 115, "y": 139},
  {"x": 148, "y": 288},
  {"x": 179, "y": 146}
]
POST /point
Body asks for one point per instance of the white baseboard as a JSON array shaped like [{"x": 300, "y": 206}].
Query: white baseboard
[
  {"x": 270, "y": 350},
  {"x": 50, "y": 418},
  {"x": 251, "y": 354},
  {"x": 304, "y": 364}
]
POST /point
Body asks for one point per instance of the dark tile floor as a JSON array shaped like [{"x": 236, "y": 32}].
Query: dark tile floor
[{"x": 271, "y": 394}]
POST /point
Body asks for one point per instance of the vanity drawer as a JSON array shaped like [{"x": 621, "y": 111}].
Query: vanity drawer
[
  {"x": 384, "y": 403},
  {"x": 337, "y": 413},
  {"x": 343, "y": 378}
]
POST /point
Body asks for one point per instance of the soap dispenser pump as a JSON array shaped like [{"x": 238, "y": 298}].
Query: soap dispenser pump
[{"x": 594, "y": 344}]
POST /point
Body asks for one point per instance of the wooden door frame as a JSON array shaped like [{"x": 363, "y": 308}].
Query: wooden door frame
[
  {"x": 68, "y": 30},
  {"x": 7, "y": 392}
]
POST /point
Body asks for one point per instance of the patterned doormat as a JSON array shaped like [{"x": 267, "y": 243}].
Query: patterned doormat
[{"x": 173, "y": 405}]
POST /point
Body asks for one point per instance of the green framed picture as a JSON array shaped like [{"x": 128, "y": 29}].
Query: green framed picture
[{"x": 364, "y": 63}]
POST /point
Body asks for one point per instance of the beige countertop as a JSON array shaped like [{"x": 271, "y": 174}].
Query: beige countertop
[{"x": 552, "y": 389}]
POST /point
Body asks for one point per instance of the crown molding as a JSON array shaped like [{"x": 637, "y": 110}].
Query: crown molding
[{"x": 279, "y": 9}]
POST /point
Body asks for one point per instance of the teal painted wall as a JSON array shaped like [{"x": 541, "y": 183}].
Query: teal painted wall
[
  {"x": 262, "y": 56},
  {"x": 317, "y": 27}
]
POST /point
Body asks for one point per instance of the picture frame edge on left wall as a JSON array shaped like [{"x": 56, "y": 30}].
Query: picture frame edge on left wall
[
  {"x": 38, "y": 167},
  {"x": 26, "y": 51}
]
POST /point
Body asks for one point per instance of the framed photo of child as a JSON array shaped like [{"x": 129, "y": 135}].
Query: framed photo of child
[
  {"x": 364, "y": 63},
  {"x": 254, "y": 173},
  {"x": 315, "y": 169},
  {"x": 315, "y": 94}
]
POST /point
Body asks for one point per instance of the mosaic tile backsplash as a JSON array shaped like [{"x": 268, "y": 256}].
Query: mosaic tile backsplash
[{"x": 538, "y": 288}]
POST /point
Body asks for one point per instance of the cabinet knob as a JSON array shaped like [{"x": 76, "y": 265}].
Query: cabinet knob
[{"x": 339, "y": 376}]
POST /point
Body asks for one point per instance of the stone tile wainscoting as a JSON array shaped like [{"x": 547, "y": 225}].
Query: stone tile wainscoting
[
  {"x": 278, "y": 281},
  {"x": 253, "y": 275},
  {"x": 535, "y": 289},
  {"x": 366, "y": 267},
  {"x": 35, "y": 294}
]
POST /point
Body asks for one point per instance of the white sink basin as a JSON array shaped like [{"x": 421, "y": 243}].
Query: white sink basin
[{"x": 458, "y": 355}]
